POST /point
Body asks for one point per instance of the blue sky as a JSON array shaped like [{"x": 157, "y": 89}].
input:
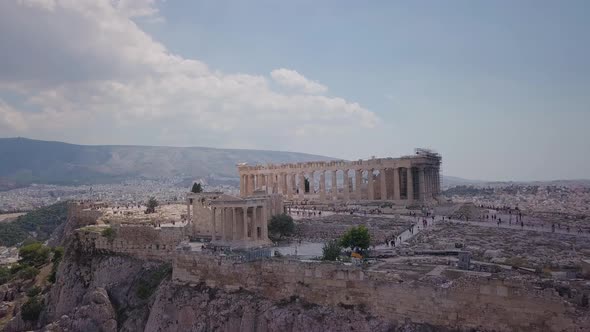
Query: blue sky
[{"x": 500, "y": 88}]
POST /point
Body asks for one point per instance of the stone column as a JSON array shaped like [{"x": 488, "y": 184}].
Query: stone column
[
  {"x": 370, "y": 186},
  {"x": 289, "y": 185},
  {"x": 264, "y": 222},
  {"x": 223, "y": 220},
  {"x": 241, "y": 184},
  {"x": 234, "y": 225},
  {"x": 437, "y": 183},
  {"x": 396, "y": 184},
  {"x": 383, "y": 186},
  {"x": 422, "y": 182},
  {"x": 345, "y": 187},
  {"x": 334, "y": 186},
  {"x": 311, "y": 183},
  {"x": 293, "y": 183},
  {"x": 212, "y": 224},
  {"x": 245, "y": 223},
  {"x": 410, "y": 184},
  {"x": 431, "y": 177},
  {"x": 358, "y": 177},
  {"x": 322, "y": 186},
  {"x": 251, "y": 184},
  {"x": 254, "y": 224},
  {"x": 269, "y": 182}
]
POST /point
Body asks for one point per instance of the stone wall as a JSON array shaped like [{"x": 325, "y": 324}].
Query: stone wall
[
  {"x": 464, "y": 303},
  {"x": 143, "y": 242}
]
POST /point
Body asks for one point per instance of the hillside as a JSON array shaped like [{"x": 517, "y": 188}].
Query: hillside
[
  {"x": 37, "y": 224},
  {"x": 26, "y": 161}
]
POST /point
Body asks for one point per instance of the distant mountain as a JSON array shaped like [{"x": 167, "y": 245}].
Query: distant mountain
[
  {"x": 452, "y": 181},
  {"x": 24, "y": 161}
]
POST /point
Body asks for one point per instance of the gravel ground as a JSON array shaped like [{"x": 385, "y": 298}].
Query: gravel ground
[
  {"x": 511, "y": 246},
  {"x": 333, "y": 226}
]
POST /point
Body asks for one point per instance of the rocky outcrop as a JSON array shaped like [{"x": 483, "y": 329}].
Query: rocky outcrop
[
  {"x": 200, "y": 308},
  {"x": 96, "y": 292}
]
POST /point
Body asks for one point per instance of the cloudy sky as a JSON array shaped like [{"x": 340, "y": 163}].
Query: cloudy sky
[{"x": 500, "y": 88}]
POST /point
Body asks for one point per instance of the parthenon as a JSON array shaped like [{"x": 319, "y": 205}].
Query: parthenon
[{"x": 408, "y": 179}]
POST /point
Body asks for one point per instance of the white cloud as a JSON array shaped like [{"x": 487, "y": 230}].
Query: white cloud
[
  {"x": 93, "y": 76},
  {"x": 292, "y": 79},
  {"x": 11, "y": 119}
]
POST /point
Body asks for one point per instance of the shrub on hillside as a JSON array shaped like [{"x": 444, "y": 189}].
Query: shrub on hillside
[
  {"x": 331, "y": 250},
  {"x": 31, "y": 310},
  {"x": 27, "y": 273},
  {"x": 34, "y": 254}
]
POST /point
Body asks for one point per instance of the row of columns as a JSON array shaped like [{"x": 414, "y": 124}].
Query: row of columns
[
  {"x": 239, "y": 223},
  {"x": 394, "y": 184}
]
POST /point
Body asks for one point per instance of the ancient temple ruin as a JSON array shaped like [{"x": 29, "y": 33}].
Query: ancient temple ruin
[
  {"x": 237, "y": 222},
  {"x": 404, "y": 180}
]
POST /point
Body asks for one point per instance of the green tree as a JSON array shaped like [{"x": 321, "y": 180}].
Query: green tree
[
  {"x": 197, "y": 188},
  {"x": 331, "y": 250},
  {"x": 281, "y": 225},
  {"x": 151, "y": 205},
  {"x": 356, "y": 237},
  {"x": 34, "y": 254},
  {"x": 306, "y": 185}
]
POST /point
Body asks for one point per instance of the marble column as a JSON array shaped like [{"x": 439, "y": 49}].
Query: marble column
[
  {"x": 234, "y": 225},
  {"x": 245, "y": 223},
  {"x": 223, "y": 219},
  {"x": 422, "y": 184},
  {"x": 301, "y": 185},
  {"x": 437, "y": 179},
  {"x": 410, "y": 184},
  {"x": 334, "y": 186},
  {"x": 251, "y": 184},
  {"x": 264, "y": 222},
  {"x": 254, "y": 224},
  {"x": 345, "y": 187},
  {"x": 396, "y": 184},
  {"x": 311, "y": 183},
  {"x": 358, "y": 180},
  {"x": 322, "y": 186},
  {"x": 370, "y": 185},
  {"x": 383, "y": 184},
  {"x": 289, "y": 185},
  {"x": 213, "y": 224},
  {"x": 241, "y": 185}
]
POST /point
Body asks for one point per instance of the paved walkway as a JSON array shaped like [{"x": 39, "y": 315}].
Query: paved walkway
[{"x": 529, "y": 224}]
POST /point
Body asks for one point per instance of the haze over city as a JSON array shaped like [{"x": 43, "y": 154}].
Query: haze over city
[{"x": 500, "y": 89}]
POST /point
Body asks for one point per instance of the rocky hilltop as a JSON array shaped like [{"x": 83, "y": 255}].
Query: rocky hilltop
[{"x": 98, "y": 291}]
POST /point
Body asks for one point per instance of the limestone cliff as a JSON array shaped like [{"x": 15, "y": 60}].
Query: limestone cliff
[{"x": 97, "y": 292}]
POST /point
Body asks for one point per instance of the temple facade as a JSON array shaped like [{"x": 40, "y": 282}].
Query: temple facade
[
  {"x": 408, "y": 179},
  {"x": 237, "y": 222}
]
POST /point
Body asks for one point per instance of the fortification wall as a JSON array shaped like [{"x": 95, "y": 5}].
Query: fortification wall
[
  {"x": 468, "y": 302},
  {"x": 143, "y": 242}
]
